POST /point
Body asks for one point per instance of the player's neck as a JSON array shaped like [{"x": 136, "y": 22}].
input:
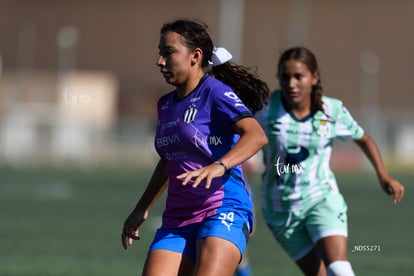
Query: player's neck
[
  {"x": 301, "y": 110},
  {"x": 190, "y": 84}
]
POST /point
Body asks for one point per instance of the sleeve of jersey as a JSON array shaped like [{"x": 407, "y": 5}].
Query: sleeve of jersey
[
  {"x": 346, "y": 127},
  {"x": 228, "y": 107}
]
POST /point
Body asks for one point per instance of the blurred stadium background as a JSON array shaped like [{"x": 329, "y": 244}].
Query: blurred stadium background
[
  {"x": 78, "y": 92},
  {"x": 78, "y": 81}
]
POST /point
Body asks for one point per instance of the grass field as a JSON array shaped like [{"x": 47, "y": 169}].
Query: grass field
[{"x": 68, "y": 222}]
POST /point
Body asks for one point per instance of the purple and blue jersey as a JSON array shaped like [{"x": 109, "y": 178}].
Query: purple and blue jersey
[{"x": 193, "y": 132}]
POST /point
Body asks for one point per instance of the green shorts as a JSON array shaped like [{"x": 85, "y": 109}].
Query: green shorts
[{"x": 298, "y": 231}]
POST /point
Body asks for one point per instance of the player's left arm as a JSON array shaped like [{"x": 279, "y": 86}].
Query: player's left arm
[
  {"x": 252, "y": 139},
  {"x": 390, "y": 185}
]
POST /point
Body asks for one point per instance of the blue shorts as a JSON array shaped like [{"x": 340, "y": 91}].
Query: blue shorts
[{"x": 232, "y": 226}]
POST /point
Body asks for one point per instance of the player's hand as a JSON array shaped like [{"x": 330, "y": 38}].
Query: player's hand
[
  {"x": 393, "y": 187},
  {"x": 130, "y": 230},
  {"x": 206, "y": 173}
]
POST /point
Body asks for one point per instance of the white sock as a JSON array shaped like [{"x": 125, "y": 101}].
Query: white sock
[{"x": 340, "y": 268}]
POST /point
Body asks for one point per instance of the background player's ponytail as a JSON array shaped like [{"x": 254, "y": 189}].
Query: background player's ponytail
[{"x": 243, "y": 80}]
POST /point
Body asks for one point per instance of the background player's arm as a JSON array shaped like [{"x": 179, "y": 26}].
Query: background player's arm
[{"x": 388, "y": 184}]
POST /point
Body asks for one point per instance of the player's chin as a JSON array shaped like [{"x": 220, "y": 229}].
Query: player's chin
[
  {"x": 293, "y": 101},
  {"x": 171, "y": 81},
  {"x": 169, "y": 78}
]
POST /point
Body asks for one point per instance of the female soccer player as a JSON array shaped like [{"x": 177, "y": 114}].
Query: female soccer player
[
  {"x": 205, "y": 131},
  {"x": 301, "y": 201}
]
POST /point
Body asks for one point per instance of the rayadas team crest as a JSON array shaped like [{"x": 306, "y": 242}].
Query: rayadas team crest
[{"x": 190, "y": 113}]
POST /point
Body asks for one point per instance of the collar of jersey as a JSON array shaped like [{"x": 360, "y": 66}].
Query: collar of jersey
[
  {"x": 304, "y": 119},
  {"x": 179, "y": 99}
]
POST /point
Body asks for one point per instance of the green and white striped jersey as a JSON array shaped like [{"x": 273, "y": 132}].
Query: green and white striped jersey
[{"x": 297, "y": 169}]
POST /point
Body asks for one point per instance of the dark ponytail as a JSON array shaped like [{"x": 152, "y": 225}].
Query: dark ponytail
[{"x": 246, "y": 84}]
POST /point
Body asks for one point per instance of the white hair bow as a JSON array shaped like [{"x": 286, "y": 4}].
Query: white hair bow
[{"x": 220, "y": 56}]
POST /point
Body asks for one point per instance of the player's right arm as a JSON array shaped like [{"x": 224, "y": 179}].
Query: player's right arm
[{"x": 156, "y": 186}]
